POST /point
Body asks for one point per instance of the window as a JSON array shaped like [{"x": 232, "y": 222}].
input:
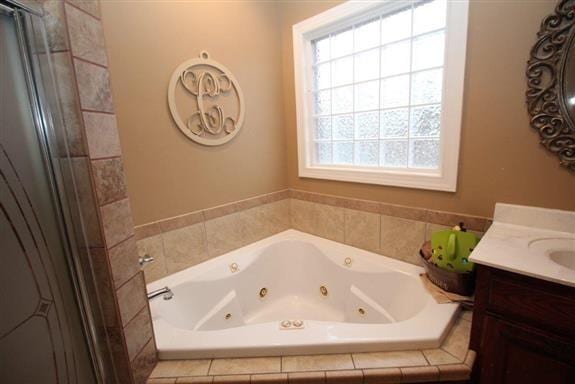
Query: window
[{"x": 379, "y": 90}]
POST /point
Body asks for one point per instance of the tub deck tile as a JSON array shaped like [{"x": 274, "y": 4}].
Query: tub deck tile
[
  {"x": 344, "y": 377},
  {"x": 419, "y": 374},
  {"x": 270, "y": 378},
  {"x": 195, "y": 380},
  {"x": 306, "y": 378},
  {"x": 439, "y": 356},
  {"x": 246, "y": 365},
  {"x": 181, "y": 368},
  {"x": 381, "y": 375},
  {"x": 452, "y": 372},
  {"x": 457, "y": 340},
  {"x": 389, "y": 359},
  {"x": 317, "y": 363},
  {"x": 466, "y": 315},
  {"x": 232, "y": 379},
  {"x": 171, "y": 380}
]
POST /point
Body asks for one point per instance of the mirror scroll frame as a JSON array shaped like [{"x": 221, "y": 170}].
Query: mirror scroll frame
[{"x": 545, "y": 99}]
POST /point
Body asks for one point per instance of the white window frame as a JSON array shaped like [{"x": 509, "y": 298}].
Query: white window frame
[{"x": 352, "y": 12}]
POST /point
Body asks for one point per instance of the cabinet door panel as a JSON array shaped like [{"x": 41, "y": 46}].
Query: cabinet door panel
[
  {"x": 514, "y": 354},
  {"x": 536, "y": 303}
]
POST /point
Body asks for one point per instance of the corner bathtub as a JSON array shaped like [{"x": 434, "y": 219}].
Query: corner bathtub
[{"x": 336, "y": 298}]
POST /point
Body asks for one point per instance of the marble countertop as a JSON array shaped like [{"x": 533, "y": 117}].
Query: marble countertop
[{"x": 509, "y": 242}]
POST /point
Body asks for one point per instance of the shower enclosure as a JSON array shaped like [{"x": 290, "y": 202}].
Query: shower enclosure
[{"x": 49, "y": 317}]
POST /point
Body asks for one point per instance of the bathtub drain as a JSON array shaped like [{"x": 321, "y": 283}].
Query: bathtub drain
[
  {"x": 228, "y": 316},
  {"x": 323, "y": 290}
]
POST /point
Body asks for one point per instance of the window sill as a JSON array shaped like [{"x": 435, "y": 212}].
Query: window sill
[{"x": 421, "y": 179}]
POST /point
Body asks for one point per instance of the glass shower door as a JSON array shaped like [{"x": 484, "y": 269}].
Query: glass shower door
[{"x": 42, "y": 337}]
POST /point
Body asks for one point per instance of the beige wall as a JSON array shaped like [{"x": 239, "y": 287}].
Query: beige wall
[
  {"x": 168, "y": 174},
  {"x": 500, "y": 158}
]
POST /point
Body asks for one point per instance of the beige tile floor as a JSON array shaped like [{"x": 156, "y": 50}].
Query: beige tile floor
[{"x": 451, "y": 362}]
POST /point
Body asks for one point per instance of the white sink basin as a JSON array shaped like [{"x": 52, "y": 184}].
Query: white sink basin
[
  {"x": 560, "y": 250},
  {"x": 531, "y": 241}
]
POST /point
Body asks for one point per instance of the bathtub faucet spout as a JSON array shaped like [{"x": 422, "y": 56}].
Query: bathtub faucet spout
[{"x": 166, "y": 292}]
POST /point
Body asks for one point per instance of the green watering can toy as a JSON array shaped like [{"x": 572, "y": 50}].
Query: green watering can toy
[{"x": 451, "y": 249}]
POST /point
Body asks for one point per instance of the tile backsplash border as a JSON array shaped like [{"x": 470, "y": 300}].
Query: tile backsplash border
[
  {"x": 397, "y": 231},
  {"x": 475, "y": 223},
  {"x": 195, "y": 217}
]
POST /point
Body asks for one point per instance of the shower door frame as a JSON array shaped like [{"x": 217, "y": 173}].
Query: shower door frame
[{"x": 23, "y": 12}]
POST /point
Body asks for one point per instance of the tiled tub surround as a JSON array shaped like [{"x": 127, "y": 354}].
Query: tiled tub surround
[
  {"x": 364, "y": 224},
  {"x": 79, "y": 59},
  {"x": 181, "y": 242},
  {"x": 452, "y": 362},
  {"x": 391, "y": 230}
]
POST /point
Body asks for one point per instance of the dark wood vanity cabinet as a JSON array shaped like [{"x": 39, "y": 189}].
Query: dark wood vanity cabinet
[{"x": 523, "y": 330}]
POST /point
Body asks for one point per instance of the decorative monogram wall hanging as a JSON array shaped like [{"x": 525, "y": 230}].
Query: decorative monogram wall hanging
[{"x": 206, "y": 101}]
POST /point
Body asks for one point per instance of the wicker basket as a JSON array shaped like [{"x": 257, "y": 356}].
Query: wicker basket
[{"x": 460, "y": 283}]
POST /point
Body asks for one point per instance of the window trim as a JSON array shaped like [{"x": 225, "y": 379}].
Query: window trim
[{"x": 347, "y": 14}]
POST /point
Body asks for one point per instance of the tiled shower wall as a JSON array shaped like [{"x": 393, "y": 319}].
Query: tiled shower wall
[
  {"x": 78, "y": 54},
  {"x": 390, "y": 230}
]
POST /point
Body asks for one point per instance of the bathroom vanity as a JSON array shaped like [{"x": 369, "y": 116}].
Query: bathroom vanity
[{"x": 523, "y": 326}]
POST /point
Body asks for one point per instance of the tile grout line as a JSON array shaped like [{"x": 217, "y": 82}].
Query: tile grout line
[
  {"x": 205, "y": 236},
  {"x": 88, "y": 110},
  {"x": 105, "y": 158},
  {"x": 86, "y": 61},
  {"x": 133, "y": 318},
  {"x": 140, "y": 310},
  {"x": 209, "y": 367},
  {"x": 455, "y": 357},
  {"x": 344, "y": 225},
  {"x": 113, "y": 202},
  {"x": 141, "y": 349},
  {"x": 353, "y": 361},
  {"x": 425, "y": 357},
  {"x": 165, "y": 261},
  {"x": 83, "y": 10}
]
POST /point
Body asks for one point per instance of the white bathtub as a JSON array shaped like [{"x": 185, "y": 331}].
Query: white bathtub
[{"x": 375, "y": 303}]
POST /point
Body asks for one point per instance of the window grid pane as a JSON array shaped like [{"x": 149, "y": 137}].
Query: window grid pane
[{"x": 378, "y": 90}]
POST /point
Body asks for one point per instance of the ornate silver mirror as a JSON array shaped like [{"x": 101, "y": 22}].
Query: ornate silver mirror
[{"x": 551, "y": 83}]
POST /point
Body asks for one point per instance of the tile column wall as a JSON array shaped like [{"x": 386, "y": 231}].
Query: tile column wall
[{"x": 80, "y": 62}]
